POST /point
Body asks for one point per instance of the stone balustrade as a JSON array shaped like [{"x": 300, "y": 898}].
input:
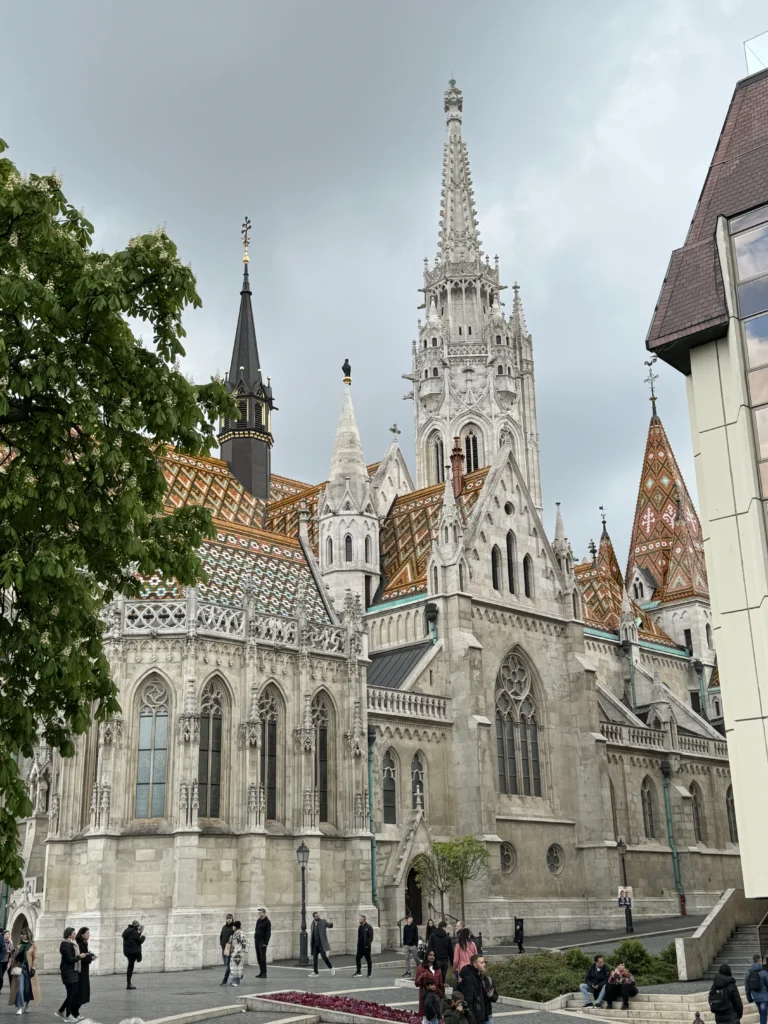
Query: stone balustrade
[
  {"x": 406, "y": 704},
  {"x": 633, "y": 736}
]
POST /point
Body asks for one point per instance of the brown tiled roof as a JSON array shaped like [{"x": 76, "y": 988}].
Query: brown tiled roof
[
  {"x": 691, "y": 307},
  {"x": 201, "y": 480},
  {"x": 284, "y": 487}
]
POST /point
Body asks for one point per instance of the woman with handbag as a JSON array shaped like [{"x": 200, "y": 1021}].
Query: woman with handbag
[
  {"x": 87, "y": 958},
  {"x": 70, "y": 968},
  {"x": 25, "y": 988}
]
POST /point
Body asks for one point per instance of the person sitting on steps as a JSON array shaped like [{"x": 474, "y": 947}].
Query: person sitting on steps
[{"x": 620, "y": 983}]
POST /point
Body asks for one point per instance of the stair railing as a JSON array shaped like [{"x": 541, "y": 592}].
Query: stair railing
[{"x": 762, "y": 936}]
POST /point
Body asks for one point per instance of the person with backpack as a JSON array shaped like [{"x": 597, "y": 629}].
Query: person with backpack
[
  {"x": 756, "y": 987},
  {"x": 724, "y": 999},
  {"x": 440, "y": 944},
  {"x": 133, "y": 939}
]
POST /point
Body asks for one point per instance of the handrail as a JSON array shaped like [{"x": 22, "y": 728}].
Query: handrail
[{"x": 762, "y": 936}]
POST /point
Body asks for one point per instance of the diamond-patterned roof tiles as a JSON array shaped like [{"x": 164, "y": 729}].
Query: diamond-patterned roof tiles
[
  {"x": 409, "y": 530},
  {"x": 666, "y": 534},
  {"x": 201, "y": 480}
]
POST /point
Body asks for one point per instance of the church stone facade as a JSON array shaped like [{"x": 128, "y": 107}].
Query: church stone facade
[{"x": 547, "y": 706}]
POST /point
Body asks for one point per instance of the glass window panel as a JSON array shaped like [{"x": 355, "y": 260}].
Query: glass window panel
[
  {"x": 215, "y": 778},
  {"x": 536, "y": 770},
  {"x": 390, "y": 806},
  {"x": 761, "y": 426},
  {"x": 161, "y": 731},
  {"x": 756, "y": 333},
  {"x": 215, "y": 801},
  {"x": 500, "y": 753},
  {"x": 142, "y": 801},
  {"x": 524, "y": 757},
  {"x": 145, "y": 732},
  {"x": 145, "y": 760},
  {"x": 205, "y": 731},
  {"x": 753, "y": 296},
  {"x": 758, "y": 386},
  {"x": 748, "y": 220},
  {"x": 202, "y": 797},
  {"x": 158, "y": 766},
  {"x": 271, "y": 780},
  {"x": 511, "y": 761},
  {"x": 751, "y": 248},
  {"x": 763, "y": 470},
  {"x": 158, "y": 801}
]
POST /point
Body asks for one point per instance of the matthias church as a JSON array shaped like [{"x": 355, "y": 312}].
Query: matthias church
[{"x": 431, "y": 617}]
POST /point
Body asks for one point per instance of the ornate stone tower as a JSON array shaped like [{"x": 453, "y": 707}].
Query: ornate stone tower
[
  {"x": 246, "y": 443},
  {"x": 349, "y": 525},
  {"x": 472, "y": 367}
]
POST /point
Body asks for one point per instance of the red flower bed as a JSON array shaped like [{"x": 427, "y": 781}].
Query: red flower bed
[{"x": 344, "y": 1005}]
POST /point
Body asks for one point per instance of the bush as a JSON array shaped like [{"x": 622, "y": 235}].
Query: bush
[{"x": 543, "y": 976}]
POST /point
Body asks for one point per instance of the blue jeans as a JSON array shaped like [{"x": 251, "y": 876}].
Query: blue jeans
[
  {"x": 762, "y": 1009},
  {"x": 225, "y": 961},
  {"x": 24, "y": 991},
  {"x": 586, "y": 991}
]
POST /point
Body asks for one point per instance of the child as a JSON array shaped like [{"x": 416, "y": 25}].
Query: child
[
  {"x": 697, "y": 1019},
  {"x": 431, "y": 1003}
]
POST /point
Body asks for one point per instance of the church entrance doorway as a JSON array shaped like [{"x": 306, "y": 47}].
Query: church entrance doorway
[
  {"x": 413, "y": 898},
  {"x": 18, "y": 924}
]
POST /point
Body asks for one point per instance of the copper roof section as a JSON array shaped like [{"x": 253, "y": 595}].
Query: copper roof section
[{"x": 691, "y": 308}]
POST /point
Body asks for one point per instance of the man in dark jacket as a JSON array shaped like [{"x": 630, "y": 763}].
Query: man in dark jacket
[
  {"x": 458, "y": 1012},
  {"x": 319, "y": 944},
  {"x": 473, "y": 988},
  {"x": 261, "y": 937},
  {"x": 519, "y": 934},
  {"x": 411, "y": 943},
  {"x": 224, "y": 938},
  {"x": 595, "y": 982},
  {"x": 756, "y": 987},
  {"x": 440, "y": 942},
  {"x": 133, "y": 939},
  {"x": 364, "y": 940},
  {"x": 724, "y": 999}
]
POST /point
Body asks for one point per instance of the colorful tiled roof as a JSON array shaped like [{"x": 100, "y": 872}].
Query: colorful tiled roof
[
  {"x": 275, "y": 566},
  {"x": 284, "y": 487},
  {"x": 409, "y": 530},
  {"x": 666, "y": 534},
  {"x": 201, "y": 480},
  {"x": 283, "y": 516},
  {"x": 602, "y": 590}
]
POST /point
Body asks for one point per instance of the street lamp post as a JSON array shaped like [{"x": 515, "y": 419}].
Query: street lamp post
[
  {"x": 621, "y": 846},
  {"x": 302, "y": 853}
]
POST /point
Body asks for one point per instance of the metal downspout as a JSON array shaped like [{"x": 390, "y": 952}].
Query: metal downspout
[
  {"x": 666, "y": 770},
  {"x": 371, "y": 742}
]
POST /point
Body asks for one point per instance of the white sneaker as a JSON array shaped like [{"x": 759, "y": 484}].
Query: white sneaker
[
  {"x": 333, "y": 970},
  {"x": 313, "y": 974},
  {"x": 19, "y": 1012}
]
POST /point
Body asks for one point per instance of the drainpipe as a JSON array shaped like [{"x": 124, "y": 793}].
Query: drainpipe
[
  {"x": 371, "y": 742},
  {"x": 666, "y": 771},
  {"x": 698, "y": 668},
  {"x": 626, "y": 646}
]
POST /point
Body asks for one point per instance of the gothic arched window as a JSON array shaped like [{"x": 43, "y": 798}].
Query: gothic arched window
[
  {"x": 471, "y": 450},
  {"x": 511, "y": 562},
  {"x": 730, "y": 810},
  {"x": 434, "y": 371},
  {"x": 528, "y": 576},
  {"x": 496, "y": 568},
  {"x": 269, "y": 710},
  {"x": 321, "y": 720},
  {"x": 389, "y": 789},
  {"x": 498, "y": 339},
  {"x": 499, "y": 370},
  {"x": 348, "y": 548},
  {"x": 368, "y": 550},
  {"x": 209, "y": 757},
  {"x": 329, "y": 551},
  {"x": 417, "y": 781},
  {"x": 697, "y": 811},
  {"x": 434, "y": 579},
  {"x": 461, "y": 575},
  {"x": 517, "y": 729},
  {"x": 710, "y": 640},
  {"x": 575, "y": 597},
  {"x": 437, "y": 458},
  {"x": 648, "y": 801},
  {"x": 153, "y": 751}
]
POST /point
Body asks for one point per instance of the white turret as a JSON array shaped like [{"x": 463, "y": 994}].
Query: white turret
[{"x": 349, "y": 526}]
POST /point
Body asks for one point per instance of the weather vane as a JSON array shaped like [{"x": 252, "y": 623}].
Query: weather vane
[
  {"x": 246, "y": 233},
  {"x": 602, "y": 515},
  {"x": 651, "y": 379},
  {"x": 394, "y": 429}
]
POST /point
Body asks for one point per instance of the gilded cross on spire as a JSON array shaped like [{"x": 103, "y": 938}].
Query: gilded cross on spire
[
  {"x": 651, "y": 379},
  {"x": 245, "y": 231}
]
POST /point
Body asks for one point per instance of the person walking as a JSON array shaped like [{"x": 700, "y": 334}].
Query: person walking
[
  {"x": 429, "y": 972},
  {"x": 470, "y": 983},
  {"x": 133, "y": 940},
  {"x": 261, "y": 937},
  {"x": 70, "y": 966},
  {"x": 11, "y": 950},
  {"x": 756, "y": 987},
  {"x": 364, "y": 941},
  {"x": 490, "y": 995},
  {"x": 429, "y": 929},
  {"x": 238, "y": 945},
  {"x": 25, "y": 988},
  {"x": 465, "y": 950},
  {"x": 594, "y": 984},
  {"x": 724, "y": 999},
  {"x": 458, "y": 1012},
  {"x": 224, "y": 941},
  {"x": 3, "y": 959},
  {"x": 411, "y": 943},
  {"x": 441, "y": 946},
  {"x": 319, "y": 945},
  {"x": 519, "y": 934}
]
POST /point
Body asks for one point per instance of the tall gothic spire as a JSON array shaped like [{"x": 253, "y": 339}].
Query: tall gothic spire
[
  {"x": 247, "y": 441},
  {"x": 459, "y": 237},
  {"x": 519, "y": 326},
  {"x": 348, "y": 469}
]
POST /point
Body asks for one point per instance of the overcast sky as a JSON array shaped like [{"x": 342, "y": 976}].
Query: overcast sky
[{"x": 590, "y": 128}]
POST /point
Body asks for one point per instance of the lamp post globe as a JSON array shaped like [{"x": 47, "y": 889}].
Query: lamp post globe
[{"x": 302, "y": 855}]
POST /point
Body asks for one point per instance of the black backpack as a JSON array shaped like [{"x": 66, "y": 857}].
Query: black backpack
[
  {"x": 719, "y": 1001},
  {"x": 755, "y": 983}
]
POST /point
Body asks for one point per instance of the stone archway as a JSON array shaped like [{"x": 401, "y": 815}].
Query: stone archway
[
  {"x": 19, "y": 922},
  {"x": 413, "y": 898}
]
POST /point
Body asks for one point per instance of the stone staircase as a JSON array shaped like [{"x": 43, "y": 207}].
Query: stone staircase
[
  {"x": 657, "y": 1007},
  {"x": 737, "y": 953}
]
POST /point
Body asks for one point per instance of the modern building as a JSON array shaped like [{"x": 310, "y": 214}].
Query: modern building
[
  {"x": 711, "y": 323},
  {"x": 512, "y": 693}
]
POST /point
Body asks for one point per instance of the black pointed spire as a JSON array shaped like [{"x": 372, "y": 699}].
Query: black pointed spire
[{"x": 246, "y": 442}]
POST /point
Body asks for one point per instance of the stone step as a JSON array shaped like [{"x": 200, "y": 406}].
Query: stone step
[
  {"x": 668, "y": 1008},
  {"x": 642, "y": 1015}
]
